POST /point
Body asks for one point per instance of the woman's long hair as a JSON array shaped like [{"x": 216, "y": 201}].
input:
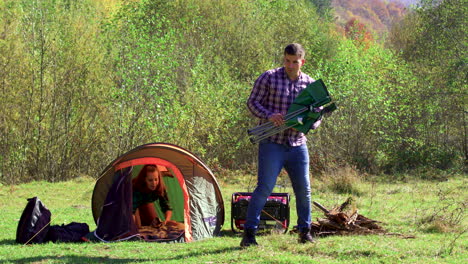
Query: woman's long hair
[{"x": 139, "y": 183}]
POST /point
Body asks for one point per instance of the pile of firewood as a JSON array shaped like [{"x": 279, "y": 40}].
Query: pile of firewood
[{"x": 343, "y": 220}]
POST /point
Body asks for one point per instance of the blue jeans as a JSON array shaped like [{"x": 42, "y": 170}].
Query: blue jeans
[{"x": 272, "y": 157}]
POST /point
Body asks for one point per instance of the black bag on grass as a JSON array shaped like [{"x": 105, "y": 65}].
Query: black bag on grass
[
  {"x": 34, "y": 222},
  {"x": 72, "y": 232}
]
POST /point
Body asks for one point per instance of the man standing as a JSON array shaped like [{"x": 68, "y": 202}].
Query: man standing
[{"x": 271, "y": 96}]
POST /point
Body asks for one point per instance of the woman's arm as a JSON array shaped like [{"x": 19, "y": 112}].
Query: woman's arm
[
  {"x": 137, "y": 219},
  {"x": 168, "y": 216},
  {"x": 165, "y": 207}
]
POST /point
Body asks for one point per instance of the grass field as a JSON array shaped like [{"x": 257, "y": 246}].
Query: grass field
[{"x": 433, "y": 212}]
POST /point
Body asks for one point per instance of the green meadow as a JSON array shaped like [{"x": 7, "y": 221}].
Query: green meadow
[
  {"x": 426, "y": 222},
  {"x": 83, "y": 82}
]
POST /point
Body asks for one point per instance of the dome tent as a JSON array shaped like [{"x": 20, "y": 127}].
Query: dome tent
[{"x": 191, "y": 186}]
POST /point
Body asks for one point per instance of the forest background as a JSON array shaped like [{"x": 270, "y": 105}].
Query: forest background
[{"x": 82, "y": 82}]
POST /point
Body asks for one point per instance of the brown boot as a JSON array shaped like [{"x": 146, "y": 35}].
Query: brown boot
[
  {"x": 248, "y": 239},
  {"x": 306, "y": 237}
]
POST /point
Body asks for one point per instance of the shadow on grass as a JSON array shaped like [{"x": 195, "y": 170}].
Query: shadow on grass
[
  {"x": 84, "y": 259},
  {"x": 6, "y": 242},
  {"x": 78, "y": 259},
  {"x": 204, "y": 252},
  {"x": 238, "y": 233},
  {"x": 230, "y": 233}
]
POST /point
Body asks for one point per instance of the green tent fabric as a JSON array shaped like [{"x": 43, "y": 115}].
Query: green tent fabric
[{"x": 174, "y": 192}]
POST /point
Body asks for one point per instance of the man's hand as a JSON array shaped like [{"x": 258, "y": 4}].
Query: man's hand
[
  {"x": 277, "y": 119},
  {"x": 317, "y": 109}
]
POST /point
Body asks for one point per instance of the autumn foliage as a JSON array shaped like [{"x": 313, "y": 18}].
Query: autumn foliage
[
  {"x": 358, "y": 32},
  {"x": 84, "y": 81},
  {"x": 377, "y": 15}
]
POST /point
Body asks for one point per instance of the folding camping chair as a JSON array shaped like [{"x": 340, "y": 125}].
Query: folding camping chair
[{"x": 306, "y": 110}]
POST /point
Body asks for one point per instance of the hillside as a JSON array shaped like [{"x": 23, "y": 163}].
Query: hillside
[
  {"x": 406, "y": 2},
  {"x": 377, "y": 15}
]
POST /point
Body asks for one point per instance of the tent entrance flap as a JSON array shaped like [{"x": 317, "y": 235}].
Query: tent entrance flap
[{"x": 118, "y": 202}]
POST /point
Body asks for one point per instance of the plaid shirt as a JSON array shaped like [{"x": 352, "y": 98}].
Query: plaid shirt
[{"x": 272, "y": 93}]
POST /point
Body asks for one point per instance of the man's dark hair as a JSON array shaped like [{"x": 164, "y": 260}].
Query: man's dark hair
[{"x": 294, "y": 49}]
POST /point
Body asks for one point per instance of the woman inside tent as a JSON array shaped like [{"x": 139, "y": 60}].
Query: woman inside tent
[{"x": 149, "y": 187}]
